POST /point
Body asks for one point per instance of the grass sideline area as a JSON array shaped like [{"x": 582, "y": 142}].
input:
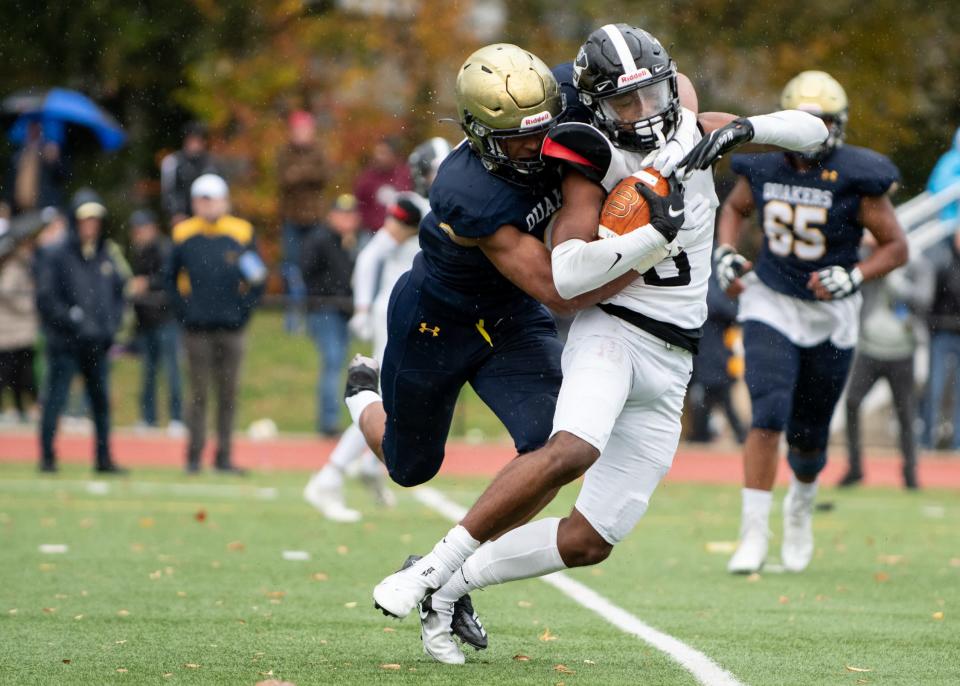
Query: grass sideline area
[
  {"x": 278, "y": 381},
  {"x": 168, "y": 579}
]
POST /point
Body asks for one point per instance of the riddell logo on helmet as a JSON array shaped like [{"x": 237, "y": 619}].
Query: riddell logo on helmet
[
  {"x": 534, "y": 119},
  {"x": 633, "y": 77}
]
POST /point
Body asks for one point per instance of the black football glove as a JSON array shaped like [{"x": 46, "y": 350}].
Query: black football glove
[
  {"x": 666, "y": 212},
  {"x": 712, "y": 146},
  {"x": 839, "y": 281},
  {"x": 728, "y": 265}
]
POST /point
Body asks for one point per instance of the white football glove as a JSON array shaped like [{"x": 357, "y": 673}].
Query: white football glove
[
  {"x": 728, "y": 265},
  {"x": 697, "y": 221},
  {"x": 677, "y": 147},
  {"x": 361, "y": 325},
  {"x": 839, "y": 281}
]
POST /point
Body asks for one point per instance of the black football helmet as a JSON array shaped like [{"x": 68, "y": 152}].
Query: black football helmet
[
  {"x": 424, "y": 162},
  {"x": 627, "y": 79}
]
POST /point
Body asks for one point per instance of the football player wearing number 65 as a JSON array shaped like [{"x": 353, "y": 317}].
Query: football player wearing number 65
[{"x": 800, "y": 304}]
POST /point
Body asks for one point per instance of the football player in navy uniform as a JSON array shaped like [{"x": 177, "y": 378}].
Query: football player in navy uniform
[
  {"x": 800, "y": 303},
  {"x": 627, "y": 361}
]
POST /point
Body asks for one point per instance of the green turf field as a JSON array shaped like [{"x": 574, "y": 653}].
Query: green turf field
[{"x": 165, "y": 582}]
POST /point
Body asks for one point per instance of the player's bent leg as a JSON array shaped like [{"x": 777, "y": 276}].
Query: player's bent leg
[
  {"x": 362, "y": 397},
  {"x": 325, "y": 489},
  {"x": 797, "y": 548}
]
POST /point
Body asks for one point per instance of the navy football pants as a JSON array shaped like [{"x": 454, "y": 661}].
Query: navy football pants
[
  {"x": 512, "y": 363},
  {"x": 792, "y": 388}
]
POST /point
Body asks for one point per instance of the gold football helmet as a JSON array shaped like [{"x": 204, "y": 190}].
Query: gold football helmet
[
  {"x": 505, "y": 92},
  {"x": 819, "y": 94}
]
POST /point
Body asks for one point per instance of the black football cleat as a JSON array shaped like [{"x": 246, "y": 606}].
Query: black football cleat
[
  {"x": 853, "y": 477},
  {"x": 363, "y": 374},
  {"x": 466, "y": 624}
]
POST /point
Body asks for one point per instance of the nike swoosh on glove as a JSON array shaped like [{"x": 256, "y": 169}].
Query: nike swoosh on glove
[
  {"x": 716, "y": 143},
  {"x": 839, "y": 281},
  {"x": 728, "y": 265},
  {"x": 666, "y": 212}
]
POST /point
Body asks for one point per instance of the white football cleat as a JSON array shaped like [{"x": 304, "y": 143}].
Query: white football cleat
[
  {"x": 402, "y": 591},
  {"x": 437, "y": 634},
  {"x": 797, "y": 549},
  {"x": 376, "y": 483},
  {"x": 751, "y": 553},
  {"x": 329, "y": 501}
]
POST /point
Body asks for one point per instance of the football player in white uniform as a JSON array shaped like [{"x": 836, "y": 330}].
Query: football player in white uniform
[
  {"x": 379, "y": 266},
  {"x": 627, "y": 361}
]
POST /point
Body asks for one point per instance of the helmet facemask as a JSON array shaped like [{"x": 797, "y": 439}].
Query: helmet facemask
[
  {"x": 836, "y": 130},
  {"x": 641, "y": 118},
  {"x": 495, "y": 146}
]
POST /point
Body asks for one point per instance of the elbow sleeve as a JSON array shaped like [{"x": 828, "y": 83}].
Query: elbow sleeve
[
  {"x": 789, "y": 129},
  {"x": 579, "y": 266}
]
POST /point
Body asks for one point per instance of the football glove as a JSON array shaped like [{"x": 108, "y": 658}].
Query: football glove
[
  {"x": 728, "y": 265},
  {"x": 712, "y": 146},
  {"x": 839, "y": 281},
  {"x": 666, "y": 212}
]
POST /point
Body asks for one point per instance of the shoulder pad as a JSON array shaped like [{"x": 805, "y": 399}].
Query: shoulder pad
[{"x": 584, "y": 148}]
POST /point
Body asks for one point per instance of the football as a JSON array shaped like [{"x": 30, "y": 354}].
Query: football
[{"x": 625, "y": 209}]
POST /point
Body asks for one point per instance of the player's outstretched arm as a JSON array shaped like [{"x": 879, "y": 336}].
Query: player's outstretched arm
[
  {"x": 728, "y": 265},
  {"x": 787, "y": 129}
]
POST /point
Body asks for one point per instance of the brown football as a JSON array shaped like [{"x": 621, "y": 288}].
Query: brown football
[{"x": 625, "y": 209}]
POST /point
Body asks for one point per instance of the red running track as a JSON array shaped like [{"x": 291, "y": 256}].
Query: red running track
[{"x": 692, "y": 464}]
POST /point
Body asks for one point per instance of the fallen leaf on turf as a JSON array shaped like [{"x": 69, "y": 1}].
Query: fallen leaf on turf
[
  {"x": 596, "y": 571},
  {"x": 167, "y": 675},
  {"x": 275, "y": 594},
  {"x": 78, "y": 617},
  {"x": 241, "y": 621},
  {"x": 47, "y": 567},
  {"x": 938, "y": 615},
  {"x": 200, "y": 515},
  {"x": 120, "y": 643},
  {"x": 863, "y": 681},
  {"x": 342, "y": 550},
  {"x": 181, "y": 594},
  {"x": 270, "y": 673},
  {"x": 589, "y": 662},
  {"x": 721, "y": 547},
  {"x": 858, "y": 669},
  {"x": 389, "y": 630},
  {"x": 169, "y": 571},
  {"x": 192, "y": 665},
  {"x": 392, "y": 665},
  {"x": 563, "y": 669},
  {"x": 881, "y": 577},
  {"x": 320, "y": 576},
  {"x": 155, "y": 575},
  {"x": 352, "y": 604},
  {"x": 49, "y": 610},
  {"x": 820, "y": 598},
  {"x": 890, "y": 559},
  {"x": 524, "y": 603},
  {"x": 955, "y": 561},
  {"x": 147, "y": 522},
  {"x": 123, "y": 613},
  {"x": 236, "y": 546},
  {"x": 12, "y": 611},
  {"x": 521, "y": 658},
  {"x": 61, "y": 596},
  {"x": 122, "y": 670},
  {"x": 784, "y": 600},
  {"x": 66, "y": 662},
  {"x": 547, "y": 636},
  {"x": 753, "y": 577}
]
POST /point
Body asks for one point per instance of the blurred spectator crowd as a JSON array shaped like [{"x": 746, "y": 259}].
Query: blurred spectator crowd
[{"x": 178, "y": 290}]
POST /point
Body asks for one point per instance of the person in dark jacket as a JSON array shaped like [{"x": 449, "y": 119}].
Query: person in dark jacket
[
  {"x": 944, "y": 324},
  {"x": 301, "y": 176},
  {"x": 711, "y": 381},
  {"x": 157, "y": 331},
  {"x": 180, "y": 169},
  {"x": 37, "y": 173},
  {"x": 327, "y": 263},
  {"x": 214, "y": 278},
  {"x": 80, "y": 302}
]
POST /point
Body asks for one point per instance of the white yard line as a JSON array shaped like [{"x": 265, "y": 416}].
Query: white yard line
[{"x": 703, "y": 669}]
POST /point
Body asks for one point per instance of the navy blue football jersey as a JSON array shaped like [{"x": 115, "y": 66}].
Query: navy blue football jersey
[
  {"x": 468, "y": 201},
  {"x": 810, "y": 219}
]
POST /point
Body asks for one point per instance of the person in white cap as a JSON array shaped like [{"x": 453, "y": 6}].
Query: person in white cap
[{"x": 215, "y": 278}]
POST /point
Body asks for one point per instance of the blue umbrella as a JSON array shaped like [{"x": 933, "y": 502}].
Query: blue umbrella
[{"x": 58, "y": 108}]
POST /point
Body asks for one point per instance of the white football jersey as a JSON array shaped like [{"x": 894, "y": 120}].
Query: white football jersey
[{"x": 675, "y": 290}]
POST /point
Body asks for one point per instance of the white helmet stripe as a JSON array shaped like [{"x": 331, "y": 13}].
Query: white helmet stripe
[{"x": 623, "y": 52}]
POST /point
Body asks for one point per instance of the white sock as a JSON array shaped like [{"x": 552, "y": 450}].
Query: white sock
[
  {"x": 330, "y": 478},
  {"x": 350, "y": 447},
  {"x": 805, "y": 491},
  {"x": 370, "y": 465},
  {"x": 528, "y": 551},
  {"x": 359, "y": 402},
  {"x": 756, "y": 503},
  {"x": 447, "y": 555}
]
